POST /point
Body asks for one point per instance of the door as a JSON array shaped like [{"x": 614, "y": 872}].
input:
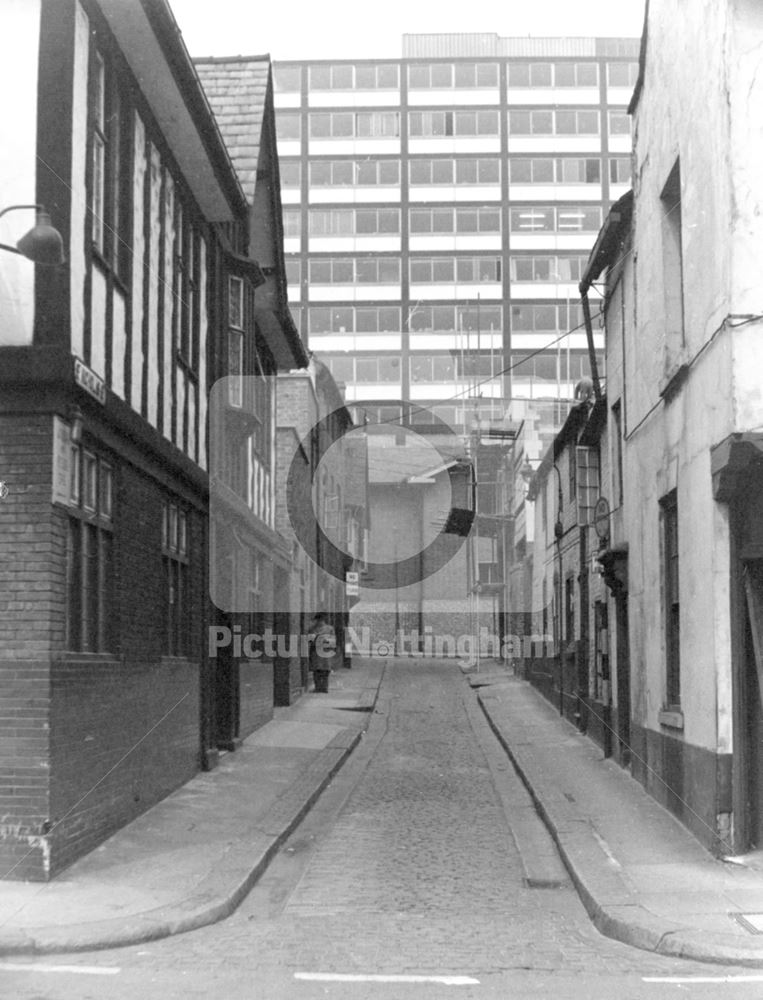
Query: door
[{"x": 753, "y": 654}]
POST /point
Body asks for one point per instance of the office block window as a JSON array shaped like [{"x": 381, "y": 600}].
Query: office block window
[
  {"x": 551, "y": 317},
  {"x": 452, "y": 123},
  {"x": 554, "y": 170},
  {"x": 446, "y": 270},
  {"x": 348, "y": 77},
  {"x": 620, "y": 170},
  {"x": 292, "y": 222},
  {"x": 354, "y": 124},
  {"x": 428, "y": 76},
  {"x": 291, "y": 173},
  {"x": 482, "y": 170},
  {"x": 354, "y": 221},
  {"x": 550, "y": 122},
  {"x": 452, "y": 366},
  {"x": 535, "y": 218},
  {"x": 552, "y": 269},
  {"x": 458, "y": 220},
  {"x": 669, "y": 506},
  {"x": 562, "y": 74},
  {"x": 622, "y": 74},
  {"x": 470, "y": 317},
  {"x": 287, "y": 79},
  {"x": 351, "y": 319},
  {"x": 355, "y": 270},
  {"x": 342, "y": 173},
  {"x": 293, "y": 271},
  {"x": 619, "y": 123},
  {"x": 288, "y": 125}
]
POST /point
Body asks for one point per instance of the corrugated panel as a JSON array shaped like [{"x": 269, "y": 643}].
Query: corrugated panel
[
  {"x": 476, "y": 45},
  {"x": 545, "y": 48}
]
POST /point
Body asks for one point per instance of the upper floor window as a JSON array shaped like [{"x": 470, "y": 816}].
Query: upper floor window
[
  {"x": 354, "y": 124},
  {"x": 426, "y": 76},
  {"x": 622, "y": 74},
  {"x": 550, "y": 317},
  {"x": 293, "y": 271},
  {"x": 554, "y": 170},
  {"x": 458, "y": 220},
  {"x": 287, "y": 79},
  {"x": 330, "y": 173},
  {"x": 554, "y": 122},
  {"x": 288, "y": 124},
  {"x": 555, "y": 218},
  {"x": 619, "y": 123},
  {"x": 292, "y": 222},
  {"x": 620, "y": 170},
  {"x": 561, "y": 74},
  {"x": 446, "y": 270},
  {"x": 235, "y": 341},
  {"x": 354, "y": 319},
  {"x": 109, "y": 182},
  {"x": 291, "y": 173},
  {"x": 90, "y": 601},
  {"x": 348, "y": 77},
  {"x": 452, "y": 123},
  {"x": 355, "y": 270},
  {"x": 354, "y": 222},
  {"x": 552, "y": 268},
  {"x": 481, "y": 170},
  {"x": 362, "y": 369},
  {"x": 471, "y": 318}
]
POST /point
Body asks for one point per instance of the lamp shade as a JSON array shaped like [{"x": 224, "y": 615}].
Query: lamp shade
[{"x": 42, "y": 244}]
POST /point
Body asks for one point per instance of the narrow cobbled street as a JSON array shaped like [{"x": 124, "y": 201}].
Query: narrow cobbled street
[{"x": 404, "y": 878}]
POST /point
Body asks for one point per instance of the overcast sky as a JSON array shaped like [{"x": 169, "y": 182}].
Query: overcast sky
[{"x": 347, "y": 29}]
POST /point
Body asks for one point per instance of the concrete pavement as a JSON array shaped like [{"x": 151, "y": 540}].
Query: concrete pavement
[
  {"x": 643, "y": 878},
  {"x": 191, "y": 859}
]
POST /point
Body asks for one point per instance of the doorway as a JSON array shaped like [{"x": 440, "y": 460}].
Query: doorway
[{"x": 752, "y": 576}]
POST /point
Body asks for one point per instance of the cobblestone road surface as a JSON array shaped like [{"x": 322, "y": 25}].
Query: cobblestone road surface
[{"x": 406, "y": 866}]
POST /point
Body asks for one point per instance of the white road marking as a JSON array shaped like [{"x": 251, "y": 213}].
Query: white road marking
[
  {"x": 82, "y": 970},
  {"x": 702, "y": 979},
  {"x": 339, "y": 977}
]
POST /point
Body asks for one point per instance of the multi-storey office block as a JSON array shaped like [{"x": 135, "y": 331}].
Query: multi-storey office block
[{"x": 439, "y": 210}]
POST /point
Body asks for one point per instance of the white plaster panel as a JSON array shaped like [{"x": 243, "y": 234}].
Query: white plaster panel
[
  {"x": 454, "y": 341},
  {"x": 619, "y": 96},
  {"x": 292, "y": 244},
  {"x": 78, "y": 204},
  {"x": 138, "y": 247},
  {"x": 289, "y": 147},
  {"x": 181, "y": 388},
  {"x": 98, "y": 322},
  {"x": 619, "y": 143},
  {"x": 290, "y": 196},
  {"x": 167, "y": 333},
  {"x": 118, "y": 344},
  {"x": 552, "y": 241},
  {"x": 537, "y": 341},
  {"x": 287, "y": 100},
  {"x": 547, "y": 290},
  {"x": 617, "y": 191},
  {"x": 385, "y": 390},
  {"x": 155, "y": 225},
  {"x": 19, "y": 58},
  {"x": 201, "y": 457}
]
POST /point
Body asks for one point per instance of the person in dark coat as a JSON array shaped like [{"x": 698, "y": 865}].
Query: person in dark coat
[{"x": 322, "y": 651}]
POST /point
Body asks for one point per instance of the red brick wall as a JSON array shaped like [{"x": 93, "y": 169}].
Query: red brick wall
[{"x": 30, "y": 588}]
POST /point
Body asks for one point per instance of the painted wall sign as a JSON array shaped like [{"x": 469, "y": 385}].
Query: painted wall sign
[{"x": 89, "y": 381}]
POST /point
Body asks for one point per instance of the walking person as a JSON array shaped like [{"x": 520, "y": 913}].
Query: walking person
[{"x": 322, "y": 651}]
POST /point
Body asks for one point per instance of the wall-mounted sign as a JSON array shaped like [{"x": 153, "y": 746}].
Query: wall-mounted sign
[
  {"x": 601, "y": 517},
  {"x": 89, "y": 381},
  {"x": 352, "y": 581}
]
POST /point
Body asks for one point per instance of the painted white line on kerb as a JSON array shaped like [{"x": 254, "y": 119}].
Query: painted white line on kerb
[
  {"x": 340, "y": 977},
  {"x": 702, "y": 979},
  {"x": 81, "y": 970}
]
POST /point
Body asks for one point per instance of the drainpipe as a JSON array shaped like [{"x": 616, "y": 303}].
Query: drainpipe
[{"x": 589, "y": 337}]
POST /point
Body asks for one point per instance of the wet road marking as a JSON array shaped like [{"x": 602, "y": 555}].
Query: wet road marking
[
  {"x": 81, "y": 970},
  {"x": 703, "y": 979},
  {"x": 338, "y": 977}
]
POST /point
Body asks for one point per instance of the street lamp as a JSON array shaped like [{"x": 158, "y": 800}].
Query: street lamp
[{"x": 43, "y": 243}]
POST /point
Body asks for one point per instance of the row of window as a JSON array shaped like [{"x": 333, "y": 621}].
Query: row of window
[
  {"x": 425, "y": 76},
  {"x": 422, "y": 368},
  {"x": 438, "y": 221},
  {"x": 427, "y": 124},
  {"x": 468, "y": 318},
  {"x": 90, "y": 563},
  {"x": 438, "y": 270},
  {"x": 457, "y": 170}
]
